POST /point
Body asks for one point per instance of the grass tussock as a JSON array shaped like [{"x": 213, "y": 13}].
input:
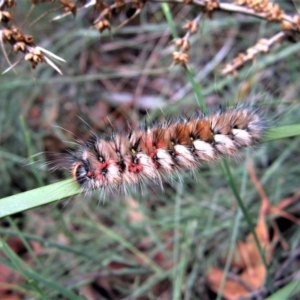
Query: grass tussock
[{"x": 230, "y": 230}]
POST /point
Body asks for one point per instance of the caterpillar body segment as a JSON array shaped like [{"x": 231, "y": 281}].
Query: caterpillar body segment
[{"x": 118, "y": 160}]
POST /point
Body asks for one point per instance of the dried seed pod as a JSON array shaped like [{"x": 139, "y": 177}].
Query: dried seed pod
[
  {"x": 102, "y": 25},
  {"x": 5, "y": 16},
  {"x": 180, "y": 58}
]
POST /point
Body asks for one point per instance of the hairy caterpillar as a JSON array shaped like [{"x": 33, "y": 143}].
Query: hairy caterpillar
[{"x": 118, "y": 160}]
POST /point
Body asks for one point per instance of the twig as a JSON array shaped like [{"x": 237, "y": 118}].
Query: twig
[
  {"x": 267, "y": 207},
  {"x": 287, "y": 264},
  {"x": 241, "y": 281},
  {"x": 262, "y": 46}
]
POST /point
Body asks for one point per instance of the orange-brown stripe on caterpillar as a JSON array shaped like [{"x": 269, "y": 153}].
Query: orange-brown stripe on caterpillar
[{"x": 164, "y": 148}]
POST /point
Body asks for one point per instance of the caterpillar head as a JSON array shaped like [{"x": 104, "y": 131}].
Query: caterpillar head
[{"x": 96, "y": 167}]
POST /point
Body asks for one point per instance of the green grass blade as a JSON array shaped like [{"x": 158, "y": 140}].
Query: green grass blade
[
  {"x": 290, "y": 290},
  {"x": 190, "y": 76},
  {"x": 282, "y": 132},
  {"x": 167, "y": 12},
  {"x": 33, "y": 278},
  {"x": 30, "y": 151},
  {"x": 51, "y": 244},
  {"x": 16, "y": 263},
  {"x": 197, "y": 90},
  {"x": 244, "y": 210},
  {"x": 117, "y": 237},
  {"x": 37, "y": 197}
]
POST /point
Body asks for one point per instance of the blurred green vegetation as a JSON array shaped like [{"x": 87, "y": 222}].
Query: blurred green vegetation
[{"x": 93, "y": 245}]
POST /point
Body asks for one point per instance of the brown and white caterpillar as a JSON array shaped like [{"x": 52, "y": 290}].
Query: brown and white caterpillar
[{"x": 118, "y": 159}]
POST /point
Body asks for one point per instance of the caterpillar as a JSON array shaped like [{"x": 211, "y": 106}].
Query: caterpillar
[{"x": 164, "y": 148}]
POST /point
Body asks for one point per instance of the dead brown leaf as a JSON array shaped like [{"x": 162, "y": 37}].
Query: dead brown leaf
[
  {"x": 247, "y": 257},
  {"x": 232, "y": 290}
]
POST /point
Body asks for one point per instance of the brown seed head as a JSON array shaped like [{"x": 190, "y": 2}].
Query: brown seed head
[
  {"x": 19, "y": 46},
  {"x": 262, "y": 46},
  {"x": 7, "y": 35},
  {"x": 185, "y": 45},
  {"x": 29, "y": 40},
  {"x": 5, "y": 16},
  {"x": 102, "y": 25},
  {"x": 178, "y": 42},
  {"x": 287, "y": 26},
  {"x": 296, "y": 21},
  {"x": 211, "y": 5},
  {"x": 138, "y": 4},
  {"x": 69, "y": 6},
  {"x": 180, "y": 58},
  {"x": 9, "y": 3},
  {"x": 191, "y": 26}
]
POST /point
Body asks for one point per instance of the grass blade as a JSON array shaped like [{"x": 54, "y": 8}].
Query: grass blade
[
  {"x": 37, "y": 197},
  {"x": 288, "y": 291},
  {"x": 282, "y": 132},
  {"x": 33, "y": 278}
]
